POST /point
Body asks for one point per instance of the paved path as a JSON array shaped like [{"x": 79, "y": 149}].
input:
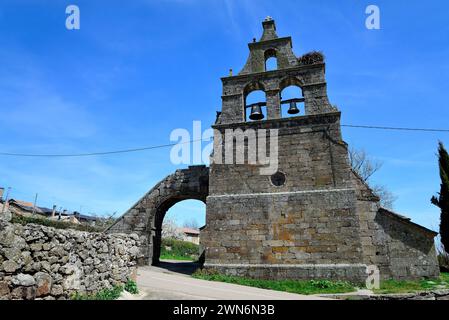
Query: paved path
[{"x": 160, "y": 283}]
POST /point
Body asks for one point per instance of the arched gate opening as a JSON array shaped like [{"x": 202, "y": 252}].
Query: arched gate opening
[
  {"x": 158, "y": 235},
  {"x": 146, "y": 216}
]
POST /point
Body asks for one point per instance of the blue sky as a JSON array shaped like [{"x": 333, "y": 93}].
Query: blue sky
[{"x": 138, "y": 69}]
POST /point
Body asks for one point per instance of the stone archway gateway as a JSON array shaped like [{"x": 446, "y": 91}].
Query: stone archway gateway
[{"x": 146, "y": 216}]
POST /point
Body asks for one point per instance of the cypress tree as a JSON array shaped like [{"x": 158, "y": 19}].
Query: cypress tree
[{"x": 442, "y": 201}]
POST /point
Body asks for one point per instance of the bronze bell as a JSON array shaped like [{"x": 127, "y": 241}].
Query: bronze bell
[
  {"x": 256, "y": 113},
  {"x": 293, "y": 108}
]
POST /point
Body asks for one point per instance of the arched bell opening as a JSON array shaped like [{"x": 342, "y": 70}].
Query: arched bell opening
[
  {"x": 271, "y": 61},
  {"x": 292, "y": 101},
  {"x": 255, "y": 102}
]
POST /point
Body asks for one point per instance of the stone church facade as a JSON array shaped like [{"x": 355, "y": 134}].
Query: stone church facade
[{"x": 313, "y": 218}]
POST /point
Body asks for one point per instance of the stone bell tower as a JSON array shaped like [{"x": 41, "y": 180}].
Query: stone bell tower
[
  {"x": 312, "y": 217},
  {"x": 309, "y": 215}
]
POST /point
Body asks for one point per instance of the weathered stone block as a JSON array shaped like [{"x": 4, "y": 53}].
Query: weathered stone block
[
  {"x": 24, "y": 280},
  {"x": 43, "y": 284}
]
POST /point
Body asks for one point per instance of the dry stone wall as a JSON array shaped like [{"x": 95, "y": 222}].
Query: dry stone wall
[{"x": 38, "y": 262}]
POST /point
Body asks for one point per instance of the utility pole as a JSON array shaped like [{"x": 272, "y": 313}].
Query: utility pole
[{"x": 34, "y": 205}]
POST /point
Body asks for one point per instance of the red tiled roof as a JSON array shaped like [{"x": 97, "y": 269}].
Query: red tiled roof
[{"x": 190, "y": 231}]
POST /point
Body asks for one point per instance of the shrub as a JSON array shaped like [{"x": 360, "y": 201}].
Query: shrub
[
  {"x": 105, "y": 294},
  {"x": 131, "y": 287},
  {"x": 179, "y": 249},
  {"x": 326, "y": 284},
  {"x": 205, "y": 273}
]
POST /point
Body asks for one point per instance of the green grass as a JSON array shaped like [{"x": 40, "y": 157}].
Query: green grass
[
  {"x": 52, "y": 223},
  {"x": 292, "y": 286},
  {"x": 167, "y": 256},
  {"x": 398, "y": 286},
  {"x": 395, "y": 286},
  {"x": 172, "y": 249},
  {"x": 327, "y": 286},
  {"x": 108, "y": 294}
]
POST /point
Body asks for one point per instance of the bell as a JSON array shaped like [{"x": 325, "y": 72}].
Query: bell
[
  {"x": 256, "y": 113},
  {"x": 293, "y": 108}
]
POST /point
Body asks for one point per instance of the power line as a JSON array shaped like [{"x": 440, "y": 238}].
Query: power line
[
  {"x": 81, "y": 154},
  {"x": 50, "y": 155},
  {"x": 94, "y": 153},
  {"x": 395, "y": 128}
]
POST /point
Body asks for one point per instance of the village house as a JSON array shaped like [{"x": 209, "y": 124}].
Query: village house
[
  {"x": 191, "y": 235},
  {"x": 28, "y": 209}
]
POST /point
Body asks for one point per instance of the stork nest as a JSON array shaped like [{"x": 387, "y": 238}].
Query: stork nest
[{"x": 311, "y": 58}]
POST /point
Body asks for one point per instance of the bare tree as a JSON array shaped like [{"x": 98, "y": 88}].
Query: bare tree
[
  {"x": 192, "y": 223},
  {"x": 362, "y": 164},
  {"x": 171, "y": 230},
  {"x": 387, "y": 198},
  {"x": 365, "y": 167}
]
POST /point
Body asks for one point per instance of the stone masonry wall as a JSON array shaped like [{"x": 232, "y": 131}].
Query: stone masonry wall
[
  {"x": 408, "y": 249},
  {"x": 38, "y": 262},
  {"x": 310, "y": 160},
  {"x": 322, "y": 223},
  {"x": 399, "y": 248},
  {"x": 306, "y": 228},
  {"x": 302, "y": 235},
  {"x": 318, "y": 227}
]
